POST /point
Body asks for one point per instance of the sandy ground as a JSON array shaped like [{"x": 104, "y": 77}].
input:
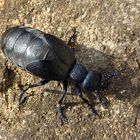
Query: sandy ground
[{"x": 108, "y": 39}]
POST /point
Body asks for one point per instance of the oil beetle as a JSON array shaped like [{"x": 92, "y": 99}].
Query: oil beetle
[{"x": 49, "y": 58}]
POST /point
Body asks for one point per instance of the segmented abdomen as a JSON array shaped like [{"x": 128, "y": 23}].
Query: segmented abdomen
[{"x": 23, "y": 45}]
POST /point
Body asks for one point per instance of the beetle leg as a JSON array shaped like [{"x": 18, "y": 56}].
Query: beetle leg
[
  {"x": 39, "y": 83},
  {"x": 100, "y": 98},
  {"x": 60, "y": 108},
  {"x": 79, "y": 91},
  {"x": 72, "y": 42}
]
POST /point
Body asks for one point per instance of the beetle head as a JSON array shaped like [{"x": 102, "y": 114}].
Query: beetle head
[{"x": 96, "y": 81}]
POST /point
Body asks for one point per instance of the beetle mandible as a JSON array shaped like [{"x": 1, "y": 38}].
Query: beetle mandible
[{"x": 49, "y": 58}]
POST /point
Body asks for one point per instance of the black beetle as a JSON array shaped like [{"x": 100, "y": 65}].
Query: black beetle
[{"x": 49, "y": 58}]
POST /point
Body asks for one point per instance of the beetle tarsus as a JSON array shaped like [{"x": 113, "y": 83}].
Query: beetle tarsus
[
  {"x": 60, "y": 108},
  {"x": 22, "y": 99},
  {"x": 101, "y": 99},
  {"x": 62, "y": 115},
  {"x": 72, "y": 42}
]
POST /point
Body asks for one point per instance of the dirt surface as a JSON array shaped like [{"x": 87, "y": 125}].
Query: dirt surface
[{"x": 108, "y": 39}]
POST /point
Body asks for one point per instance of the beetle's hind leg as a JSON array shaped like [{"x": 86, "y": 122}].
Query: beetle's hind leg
[
  {"x": 60, "y": 108},
  {"x": 72, "y": 42},
  {"x": 79, "y": 91},
  {"x": 22, "y": 99}
]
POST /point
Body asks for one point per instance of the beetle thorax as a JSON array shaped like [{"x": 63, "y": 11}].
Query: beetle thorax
[{"x": 78, "y": 73}]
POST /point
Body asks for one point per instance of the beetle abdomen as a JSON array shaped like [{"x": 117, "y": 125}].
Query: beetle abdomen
[
  {"x": 33, "y": 50},
  {"x": 22, "y": 45}
]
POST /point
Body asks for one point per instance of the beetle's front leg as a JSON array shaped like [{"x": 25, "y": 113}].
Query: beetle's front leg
[
  {"x": 72, "y": 42},
  {"x": 39, "y": 83},
  {"x": 60, "y": 108},
  {"x": 94, "y": 112}
]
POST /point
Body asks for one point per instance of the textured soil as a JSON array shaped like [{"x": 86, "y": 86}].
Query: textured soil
[{"x": 108, "y": 39}]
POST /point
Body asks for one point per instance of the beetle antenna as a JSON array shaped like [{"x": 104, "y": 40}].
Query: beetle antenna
[
  {"x": 113, "y": 74},
  {"x": 106, "y": 78},
  {"x": 110, "y": 76}
]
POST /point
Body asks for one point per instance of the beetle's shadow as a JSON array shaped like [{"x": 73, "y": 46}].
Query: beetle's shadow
[
  {"x": 8, "y": 81},
  {"x": 72, "y": 93},
  {"x": 120, "y": 87}
]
